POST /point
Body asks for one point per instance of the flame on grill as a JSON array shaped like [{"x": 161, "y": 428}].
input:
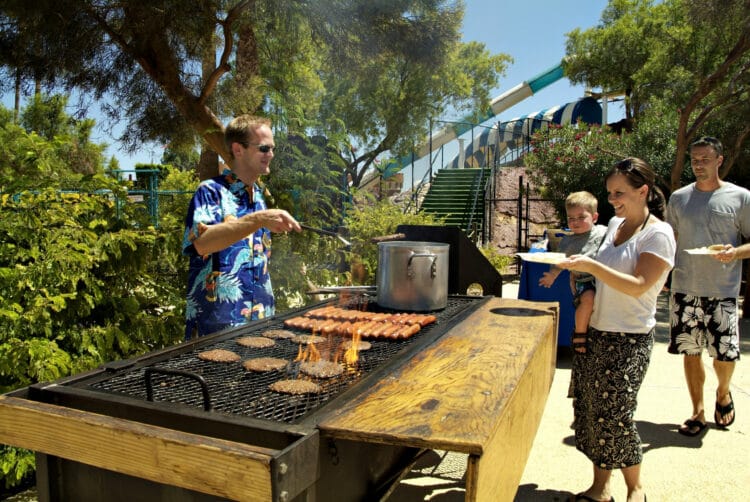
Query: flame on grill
[
  {"x": 309, "y": 353},
  {"x": 351, "y": 356},
  {"x": 359, "y": 301}
]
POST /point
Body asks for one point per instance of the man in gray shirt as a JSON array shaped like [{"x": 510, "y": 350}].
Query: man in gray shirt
[{"x": 709, "y": 217}]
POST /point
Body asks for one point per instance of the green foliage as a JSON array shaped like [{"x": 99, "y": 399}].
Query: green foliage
[
  {"x": 184, "y": 158},
  {"x": 499, "y": 261},
  {"x": 653, "y": 139},
  {"x": 175, "y": 190},
  {"x": 307, "y": 181},
  {"x": 376, "y": 220},
  {"x": 29, "y": 160},
  {"x": 71, "y": 138},
  {"x": 567, "y": 159},
  {"x": 688, "y": 58},
  {"x": 77, "y": 284},
  {"x": 611, "y": 54},
  {"x": 363, "y": 73},
  {"x": 16, "y": 465},
  {"x": 571, "y": 158},
  {"x": 84, "y": 278},
  {"x": 383, "y": 101},
  {"x": 46, "y": 116}
]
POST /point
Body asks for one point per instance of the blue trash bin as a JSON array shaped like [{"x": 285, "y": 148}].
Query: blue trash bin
[{"x": 529, "y": 289}]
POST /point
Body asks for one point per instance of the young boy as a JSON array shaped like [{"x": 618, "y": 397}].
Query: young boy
[{"x": 581, "y": 209}]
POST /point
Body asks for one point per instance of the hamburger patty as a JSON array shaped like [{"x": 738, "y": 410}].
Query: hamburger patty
[
  {"x": 309, "y": 339},
  {"x": 264, "y": 364},
  {"x": 256, "y": 342},
  {"x": 219, "y": 356},
  {"x": 361, "y": 345},
  {"x": 295, "y": 387},
  {"x": 279, "y": 334},
  {"x": 321, "y": 369}
]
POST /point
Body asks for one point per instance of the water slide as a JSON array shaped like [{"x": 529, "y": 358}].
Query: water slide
[
  {"x": 515, "y": 134},
  {"x": 498, "y": 105}
]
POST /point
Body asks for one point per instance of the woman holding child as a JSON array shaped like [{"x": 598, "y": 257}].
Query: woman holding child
[{"x": 630, "y": 268}]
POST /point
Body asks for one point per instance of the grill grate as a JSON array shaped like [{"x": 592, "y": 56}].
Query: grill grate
[{"x": 234, "y": 390}]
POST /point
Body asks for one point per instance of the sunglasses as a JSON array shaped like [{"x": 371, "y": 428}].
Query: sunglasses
[
  {"x": 261, "y": 148},
  {"x": 625, "y": 165}
]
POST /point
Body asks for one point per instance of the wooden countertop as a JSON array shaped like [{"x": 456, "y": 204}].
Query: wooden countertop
[{"x": 453, "y": 394}]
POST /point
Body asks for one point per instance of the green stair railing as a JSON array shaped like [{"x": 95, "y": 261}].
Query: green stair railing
[{"x": 457, "y": 195}]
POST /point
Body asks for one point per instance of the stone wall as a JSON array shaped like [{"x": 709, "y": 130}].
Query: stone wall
[{"x": 505, "y": 210}]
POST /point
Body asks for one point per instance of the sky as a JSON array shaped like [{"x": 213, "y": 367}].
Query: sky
[{"x": 532, "y": 32}]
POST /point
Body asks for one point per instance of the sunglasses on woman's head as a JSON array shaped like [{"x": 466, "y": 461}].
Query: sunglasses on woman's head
[{"x": 624, "y": 165}]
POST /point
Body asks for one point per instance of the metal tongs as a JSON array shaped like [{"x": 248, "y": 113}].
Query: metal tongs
[
  {"x": 339, "y": 290},
  {"x": 326, "y": 232}
]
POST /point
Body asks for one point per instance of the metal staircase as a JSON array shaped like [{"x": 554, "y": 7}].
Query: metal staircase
[{"x": 457, "y": 196}]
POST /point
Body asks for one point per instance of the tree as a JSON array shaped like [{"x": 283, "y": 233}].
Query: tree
[
  {"x": 566, "y": 159},
  {"x": 84, "y": 278},
  {"x": 385, "y": 103},
  {"x": 383, "y": 68},
  {"x": 610, "y": 55},
  {"x": 58, "y": 153},
  {"x": 692, "y": 55},
  {"x": 46, "y": 116},
  {"x": 185, "y": 158}
]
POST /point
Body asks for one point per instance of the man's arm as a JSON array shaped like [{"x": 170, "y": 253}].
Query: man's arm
[
  {"x": 731, "y": 253},
  {"x": 221, "y": 235}
]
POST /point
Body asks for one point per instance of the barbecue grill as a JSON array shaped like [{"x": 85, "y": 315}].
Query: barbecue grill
[
  {"x": 178, "y": 376},
  {"x": 169, "y": 426}
]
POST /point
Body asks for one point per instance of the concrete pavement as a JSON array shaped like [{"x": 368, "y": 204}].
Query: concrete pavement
[{"x": 710, "y": 467}]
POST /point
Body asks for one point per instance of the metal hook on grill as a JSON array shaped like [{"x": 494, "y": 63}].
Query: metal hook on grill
[{"x": 186, "y": 374}]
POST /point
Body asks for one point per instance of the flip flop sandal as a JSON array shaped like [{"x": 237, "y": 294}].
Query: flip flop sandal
[
  {"x": 723, "y": 410},
  {"x": 692, "y": 428},
  {"x": 579, "y": 342},
  {"x": 585, "y": 498}
]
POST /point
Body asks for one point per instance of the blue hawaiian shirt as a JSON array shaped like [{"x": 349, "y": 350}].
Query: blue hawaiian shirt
[{"x": 232, "y": 286}]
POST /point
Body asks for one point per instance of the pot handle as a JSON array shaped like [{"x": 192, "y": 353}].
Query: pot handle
[{"x": 433, "y": 267}]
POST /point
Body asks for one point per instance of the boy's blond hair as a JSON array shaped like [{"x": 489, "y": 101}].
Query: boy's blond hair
[{"x": 583, "y": 199}]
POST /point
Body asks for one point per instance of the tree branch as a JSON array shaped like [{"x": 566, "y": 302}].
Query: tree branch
[
  {"x": 684, "y": 132},
  {"x": 731, "y": 157},
  {"x": 223, "y": 65}
]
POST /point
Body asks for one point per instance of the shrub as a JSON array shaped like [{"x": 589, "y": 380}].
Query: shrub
[
  {"x": 567, "y": 159},
  {"x": 376, "y": 220},
  {"x": 499, "y": 261}
]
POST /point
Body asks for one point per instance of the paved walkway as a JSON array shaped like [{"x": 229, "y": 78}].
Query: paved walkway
[{"x": 710, "y": 467}]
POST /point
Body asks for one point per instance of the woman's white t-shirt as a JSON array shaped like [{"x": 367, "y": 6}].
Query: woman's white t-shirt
[{"x": 615, "y": 310}]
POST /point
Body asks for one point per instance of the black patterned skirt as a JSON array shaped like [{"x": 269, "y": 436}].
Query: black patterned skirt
[{"x": 607, "y": 380}]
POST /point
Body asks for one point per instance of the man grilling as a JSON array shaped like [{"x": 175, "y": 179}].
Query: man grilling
[{"x": 228, "y": 235}]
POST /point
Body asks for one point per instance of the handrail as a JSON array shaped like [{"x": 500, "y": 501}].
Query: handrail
[
  {"x": 415, "y": 194},
  {"x": 489, "y": 194},
  {"x": 476, "y": 188}
]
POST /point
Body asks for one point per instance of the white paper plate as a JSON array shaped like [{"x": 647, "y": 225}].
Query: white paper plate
[
  {"x": 703, "y": 250},
  {"x": 548, "y": 258}
]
